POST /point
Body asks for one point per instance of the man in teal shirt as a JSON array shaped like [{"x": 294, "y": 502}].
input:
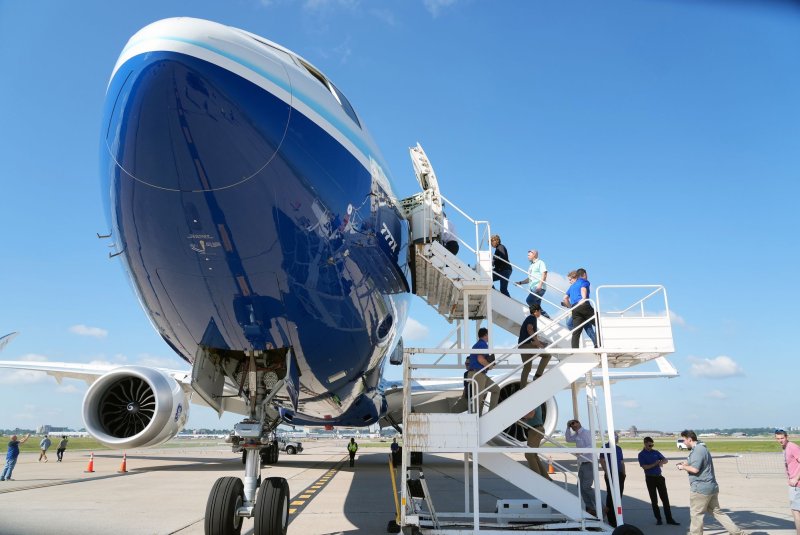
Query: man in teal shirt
[
  {"x": 703, "y": 487},
  {"x": 537, "y": 275}
]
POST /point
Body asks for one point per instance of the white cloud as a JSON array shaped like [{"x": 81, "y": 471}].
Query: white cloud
[
  {"x": 720, "y": 367},
  {"x": 155, "y": 361},
  {"x": 384, "y": 15},
  {"x": 414, "y": 330},
  {"x": 436, "y": 6},
  {"x": 24, "y": 377},
  {"x": 319, "y": 5},
  {"x": 716, "y": 394},
  {"x": 85, "y": 330},
  {"x": 676, "y": 319},
  {"x": 69, "y": 388},
  {"x": 630, "y": 403}
]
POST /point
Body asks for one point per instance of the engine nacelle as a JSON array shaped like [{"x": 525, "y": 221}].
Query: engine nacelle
[{"x": 135, "y": 407}]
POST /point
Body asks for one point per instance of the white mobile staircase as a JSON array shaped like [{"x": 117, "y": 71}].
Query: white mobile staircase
[{"x": 636, "y": 332}]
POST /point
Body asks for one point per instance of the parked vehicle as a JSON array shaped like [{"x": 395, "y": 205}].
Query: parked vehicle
[{"x": 289, "y": 446}]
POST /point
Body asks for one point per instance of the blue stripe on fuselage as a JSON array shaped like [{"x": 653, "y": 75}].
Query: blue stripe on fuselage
[{"x": 344, "y": 126}]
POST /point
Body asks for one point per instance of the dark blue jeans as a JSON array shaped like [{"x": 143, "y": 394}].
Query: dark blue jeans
[
  {"x": 502, "y": 276},
  {"x": 535, "y": 298}
]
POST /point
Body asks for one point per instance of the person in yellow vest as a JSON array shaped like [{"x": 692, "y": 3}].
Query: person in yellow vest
[{"x": 352, "y": 448}]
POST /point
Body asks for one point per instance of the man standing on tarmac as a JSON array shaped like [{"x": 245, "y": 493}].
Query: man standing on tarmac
[
  {"x": 651, "y": 461},
  {"x": 11, "y": 456},
  {"x": 703, "y": 487},
  {"x": 791, "y": 454},
  {"x": 583, "y": 439},
  {"x": 44, "y": 445},
  {"x": 62, "y": 447},
  {"x": 352, "y": 448}
]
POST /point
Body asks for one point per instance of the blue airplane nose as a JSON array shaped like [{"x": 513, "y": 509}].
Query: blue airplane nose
[{"x": 183, "y": 124}]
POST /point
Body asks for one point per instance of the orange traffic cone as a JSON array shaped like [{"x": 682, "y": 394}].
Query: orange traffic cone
[
  {"x": 90, "y": 466},
  {"x": 123, "y": 468},
  {"x": 550, "y": 469}
]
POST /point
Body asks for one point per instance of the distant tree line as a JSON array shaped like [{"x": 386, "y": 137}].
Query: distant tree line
[{"x": 732, "y": 430}]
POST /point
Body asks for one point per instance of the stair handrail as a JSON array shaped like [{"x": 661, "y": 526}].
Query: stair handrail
[
  {"x": 481, "y": 238},
  {"x": 657, "y": 288},
  {"x": 505, "y": 356}
]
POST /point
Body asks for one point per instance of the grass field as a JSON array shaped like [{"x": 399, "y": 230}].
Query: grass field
[
  {"x": 715, "y": 445},
  {"x": 665, "y": 445},
  {"x": 90, "y": 444}
]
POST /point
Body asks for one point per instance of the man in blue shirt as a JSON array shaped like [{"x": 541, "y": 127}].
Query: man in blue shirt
[
  {"x": 577, "y": 298},
  {"x": 651, "y": 462},
  {"x": 478, "y": 361},
  {"x": 528, "y": 340},
  {"x": 703, "y": 487},
  {"x": 11, "y": 456}
]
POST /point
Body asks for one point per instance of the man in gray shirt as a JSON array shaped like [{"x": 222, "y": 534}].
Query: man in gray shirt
[{"x": 703, "y": 488}]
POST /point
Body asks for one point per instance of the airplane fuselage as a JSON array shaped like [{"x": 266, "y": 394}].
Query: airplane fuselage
[{"x": 253, "y": 212}]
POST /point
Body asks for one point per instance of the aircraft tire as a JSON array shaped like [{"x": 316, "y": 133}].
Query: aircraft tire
[
  {"x": 271, "y": 513},
  {"x": 226, "y": 496}
]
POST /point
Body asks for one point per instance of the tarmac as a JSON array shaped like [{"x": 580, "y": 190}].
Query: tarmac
[{"x": 165, "y": 492}]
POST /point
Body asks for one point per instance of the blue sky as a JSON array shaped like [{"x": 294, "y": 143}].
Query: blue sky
[{"x": 652, "y": 142}]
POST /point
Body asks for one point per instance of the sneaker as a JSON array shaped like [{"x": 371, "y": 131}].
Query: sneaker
[{"x": 2, "y": 479}]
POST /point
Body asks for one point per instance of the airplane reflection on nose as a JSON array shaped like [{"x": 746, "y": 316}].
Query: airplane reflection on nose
[{"x": 188, "y": 107}]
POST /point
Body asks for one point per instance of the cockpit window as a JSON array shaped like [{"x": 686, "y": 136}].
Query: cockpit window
[
  {"x": 348, "y": 109},
  {"x": 275, "y": 50},
  {"x": 340, "y": 98}
]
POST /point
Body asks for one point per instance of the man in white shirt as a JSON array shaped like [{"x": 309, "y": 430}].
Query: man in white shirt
[{"x": 583, "y": 439}]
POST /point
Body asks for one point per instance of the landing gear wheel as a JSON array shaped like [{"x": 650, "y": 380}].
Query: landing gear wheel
[
  {"x": 269, "y": 455},
  {"x": 225, "y": 498},
  {"x": 271, "y": 513},
  {"x": 275, "y": 452}
]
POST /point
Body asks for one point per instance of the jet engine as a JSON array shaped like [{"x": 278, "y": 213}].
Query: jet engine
[{"x": 135, "y": 407}]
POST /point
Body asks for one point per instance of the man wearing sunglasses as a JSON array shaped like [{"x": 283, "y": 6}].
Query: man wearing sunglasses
[
  {"x": 791, "y": 454},
  {"x": 651, "y": 461}
]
